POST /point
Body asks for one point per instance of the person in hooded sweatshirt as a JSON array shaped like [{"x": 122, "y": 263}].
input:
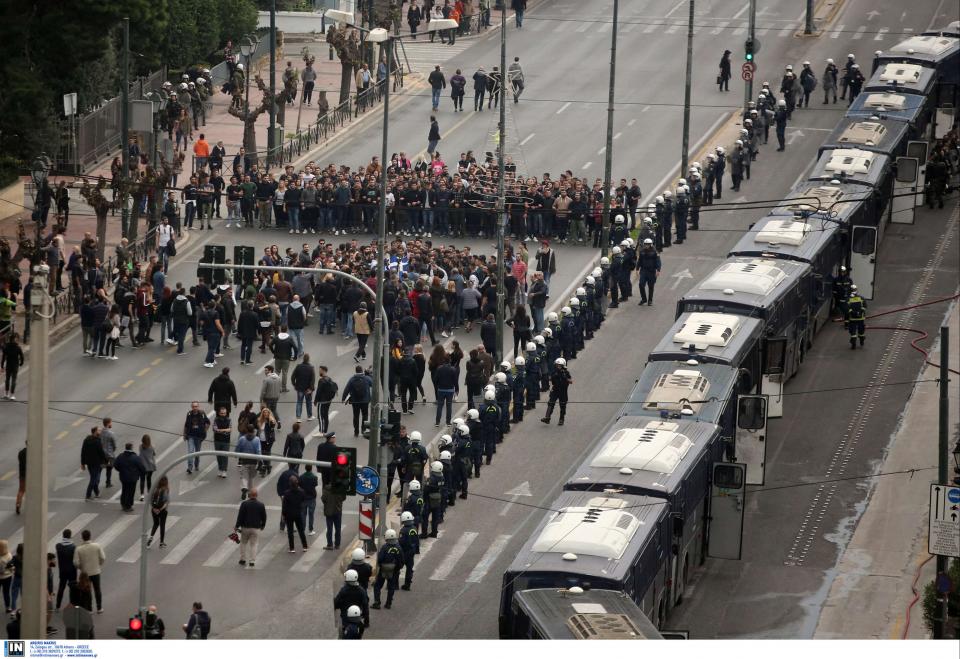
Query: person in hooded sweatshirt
[
  {"x": 284, "y": 351},
  {"x": 181, "y": 311},
  {"x": 296, "y": 321}
]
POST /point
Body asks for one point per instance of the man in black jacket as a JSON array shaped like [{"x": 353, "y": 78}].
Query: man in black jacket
[
  {"x": 303, "y": 380},
  {"x": 248, "y": 327},
  {"x": 222, "y": 391},
  {"x": 129, "y": 469},
  {"x": 324, "y": 395},
  {"x": 358, "y": 391},
  {"x": 67, "y": 570},
  {"x": 251, "y": 520},
  {"x": 327, "y": 452},
  {"x": 445, "y": 381},
  {"x": 488, "y": 334}
]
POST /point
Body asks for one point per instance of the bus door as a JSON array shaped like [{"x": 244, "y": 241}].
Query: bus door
[
  {"x": 906, "y": 182},
  {"x": 727, "y": 504},
  {"x": 918, "y": 149},
  {"x": 774, "y": 373},
  {"x": 750, "y": 443},
  {"x": 863, "y": 258}
]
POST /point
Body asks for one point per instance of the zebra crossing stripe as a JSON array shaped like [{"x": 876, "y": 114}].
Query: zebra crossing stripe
[
  {"x": 224, "y": 551},
  {"x": 449, "y": 561},
  {"x": 489, "y": 556},
  {"x": 132, "y": 555},
  {"x": 270, "y": 549},
  {"x": 311, "y": 558},
  {"x": 191, "y": 540},
  {"x": 76, "y": 525},
  {"x": 17, "y": 536},
  {"x": 115, "y": 530}
]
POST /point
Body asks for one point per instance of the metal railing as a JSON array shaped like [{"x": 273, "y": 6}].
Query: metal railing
[{"x": 97, "y": 133}]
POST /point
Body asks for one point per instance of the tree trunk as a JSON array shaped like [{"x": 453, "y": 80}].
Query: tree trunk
[
  {"x": 282, "y": 113},
  {"x": 131, "y": 222},
  {"x": 346, "y": 77},
  {"x": 250, "y": 140}
]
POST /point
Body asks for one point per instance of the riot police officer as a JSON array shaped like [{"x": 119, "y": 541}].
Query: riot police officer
[
  {"x": 541, "y": 344},
  {"x": 841, "y": 292},
  {"x": 718, "y": 170},
  {"x": 433, "y": 496},
  {"x": 503, "y": 394},
  {"x": 414, "y": 458},
  {"x": 351, "y": 594},
  {"x": 616, "y": 265},
  {"x": 681, "y": 210},
  {"x": 587, "y": 304},
  {"x": 619, "y": 230},
  {"x": 567, "y": 338},
  {"x": 574, "y": 305},
  {"x": 519, "y": 387},
  {"x": 736, "y": 165},
  {"x": 856, "y": 318},
  {"x": 648, "y": 264},
  {"x": 446, "y": 459},
  {"x": 389, "y": 561},
  {"x": 666, "y": 221},
  {"x": 533, "y": 373},
  {"x": 415, "y": 501},
  {"x": 358, "y": 563},
  {"x": 560, "y": 383},
  {"x": 696, "y": 200},
  {"x": 462, "y": 459},
  {"x": 410, "y": 545},
  {"x": 354, "y": 628},
  {"x": 709, "y": 176},
  {"x": 490, "y": 424},
  {"x": 476, "y": 439},
  {"x": 780, "y": 118}
]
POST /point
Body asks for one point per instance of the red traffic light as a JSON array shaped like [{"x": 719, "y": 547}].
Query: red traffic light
[
  {"x": 342, "y": 459},
  {"x": 136, "y": 624}
]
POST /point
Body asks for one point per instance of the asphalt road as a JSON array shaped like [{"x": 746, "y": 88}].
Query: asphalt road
[{"x": 456, "y": 590}]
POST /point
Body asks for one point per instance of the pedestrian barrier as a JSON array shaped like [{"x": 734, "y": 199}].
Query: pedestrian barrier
[{"x": 366, "y": 519}]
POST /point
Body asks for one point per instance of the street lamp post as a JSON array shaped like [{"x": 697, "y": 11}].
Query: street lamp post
[
  {"x": 247, "y": 47},
  {"x": 608, "y": 154},
  {"x": 271, "y": 141},
  {"x": 501, "y": 188}
]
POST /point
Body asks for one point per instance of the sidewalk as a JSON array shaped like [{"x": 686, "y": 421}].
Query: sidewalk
[{"x": 871, "y": 592}]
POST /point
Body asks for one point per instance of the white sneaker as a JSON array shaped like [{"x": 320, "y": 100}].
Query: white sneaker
[
  {"x": 171, "y": 342},
  {"x": 313, "y": 230},
  {"x": 429, "y": 235},
  {"x": 312, "y": 533},
  {"x": 444, "y": 335},
  {"x": 11, "y": 397},
  {"x": 291, "y": 231},
  {"x": 114, "y": 358},
  {"x": 309, "y": 418},
  {"x": 336, "y": 232},
  {"x": 141, "y": 497},
  {"x": 219, "y": 354},
  {"x": 208, "y": 365}
]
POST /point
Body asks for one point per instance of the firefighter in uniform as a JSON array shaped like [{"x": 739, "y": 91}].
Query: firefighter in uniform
[
  {"x": 560, "y": 382},
  {"x": 841, "y": 291},
  {"x": 856, "y": 318}
]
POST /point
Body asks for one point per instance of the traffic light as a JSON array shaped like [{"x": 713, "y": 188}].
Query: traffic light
[
  {"x": 345, "y": 472},
  {"x": 134, "y": 629},
  {"x": 748, "y": 48}
]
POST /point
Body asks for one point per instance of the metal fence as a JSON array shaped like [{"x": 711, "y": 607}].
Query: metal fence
[{"x": 97, "y": 133}]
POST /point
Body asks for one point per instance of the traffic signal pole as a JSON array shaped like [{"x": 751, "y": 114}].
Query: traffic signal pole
[
  {"x": 752, "y": 36},
  {"x": 608, "y": 153}
]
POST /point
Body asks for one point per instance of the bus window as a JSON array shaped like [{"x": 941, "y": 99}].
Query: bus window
[
  {"x": 907, "y": 170},
  {"x": 751, "y": 412},
  {"x": 728, "y": 476}
]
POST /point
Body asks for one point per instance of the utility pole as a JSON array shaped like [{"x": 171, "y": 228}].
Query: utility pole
[
  {"x": 271, "y": 141},
  {"x": 501, "y": 187},
  {"x": 125, "y": 129},
  {"x": 34, "y": 622},
  {"x": 376, "y": 454},
  {"x": 809, "y": 27},
  {"x": 608, "y": 153},
  {"x": 686, "y": 96},
  {"x": 943, "y": 450},
  {"x": 751, "y": 34}
]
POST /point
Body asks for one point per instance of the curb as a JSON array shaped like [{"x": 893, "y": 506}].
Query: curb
[{"x": 823, "y": 14}]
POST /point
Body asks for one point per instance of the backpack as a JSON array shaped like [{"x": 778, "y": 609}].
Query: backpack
[{"x": 171, "y": 247}]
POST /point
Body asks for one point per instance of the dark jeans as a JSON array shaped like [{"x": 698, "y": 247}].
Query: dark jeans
[
  {"x": 296, "y": 520},
  {"x": 246, "y": 350},
  {"x": 127, "y": 492},
  {"x": 223, "y": 462},
  {"x": 93, "y": 487},
  {"x": 213, "y": 343},
  {"x": 323, "y": 411},
  {"x": 359, "y": 410},
  {"x": 333, "y": 529},
  {"x": 444, "y": 397},
  {"x": 146, "y": 480},
  {"x": 159, "y": 522},
  {"x": 95, "y": 581}
]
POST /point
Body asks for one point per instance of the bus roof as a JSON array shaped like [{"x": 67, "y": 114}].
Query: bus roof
[
  {"x": 666, "y": 389},
  {"x": 787, "y": 237},
  {"x": 887, "y": 136},
  {"x": 720, "y": 338},
  {"x": 849, "y": 165},
  {"x": 565, "y": 614},
  {"x": 902, "y": 78},
  {"x": 745, "y": 284}
]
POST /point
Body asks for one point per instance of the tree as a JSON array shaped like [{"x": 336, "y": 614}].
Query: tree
[
  {"x": 249, "y": 116},
  {"x": 101, "y": 206},
  {"x": 237, "y": 18},
  {"x": 345, "y": 41}
]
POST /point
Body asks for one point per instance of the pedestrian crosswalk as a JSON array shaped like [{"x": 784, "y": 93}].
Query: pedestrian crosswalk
[
  {"x": 201, "y": 541},
  {"x": 422, "y": 55}
]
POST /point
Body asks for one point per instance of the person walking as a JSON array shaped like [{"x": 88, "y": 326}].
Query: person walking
[
  {"x": 479, "y": 89},
  {"x": 309, "y": 483},
  {"x": 433, "y": 137},
  {"x": 333, "y": 515},
  {"x": 361, "y": 327},
  {"x": 325, "y": 394},
  {"x": 270, "y": 389},
  {"x": 148, "y": 455},
  {"x": 458, "y": 86},
  {"x": 89, "y": 559},
  {"x": 248, "y": 443},
  {"x": 304, "y": 379},
  {"x": 194, "y": 432},
  {"x": 251, "y": 520},
  {"x": 515, "y": 76},
  {"x": 67, "y": 571},
  {"x": 109, "y": 442},
  {"x": 130, "y": 470},
  {"x": 222, "y": 428},
  {"x": 723, "y": 78},
  {"x": 222, "y": 391},
  {"x": 11, "y": 359},
  {"x": 292, "y": 511},
  {"x": 159, "y": 503},
  {"x": 197, "y": 626},
  {"x": 830, "y": 79},
  {"x": 438, "y": 83},
  {"x": 357, "y": 392},
  {"x": 92, "y": 459}
]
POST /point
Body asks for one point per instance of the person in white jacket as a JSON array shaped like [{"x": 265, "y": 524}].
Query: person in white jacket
[{"x": 89, "y": 559}]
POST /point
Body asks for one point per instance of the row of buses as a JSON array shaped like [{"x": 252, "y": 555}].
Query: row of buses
[{"x": 664, "y": 486}]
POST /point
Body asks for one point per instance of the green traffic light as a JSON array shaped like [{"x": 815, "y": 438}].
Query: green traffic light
[{"x": 749, "y": 56}]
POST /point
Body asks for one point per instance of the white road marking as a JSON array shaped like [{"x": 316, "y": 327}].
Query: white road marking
[
  {"x": 481, "y": 568},
  {"x": 601, "y": 150},
  {"x": 426, "y": 544},
  {"x": 79, "y": 523},
  {"x": 564, "y": 107},
  {"x": 859, "y": 33},
  {"x": 17, "y": 536},
  {"x": 836, "y": 33},
  {"x": 191, "y": 540},
  {"x": 132, "y": 555},
  {"x": 881, "y": 34},
  {"x": 527, "y": 139},
  {"x": 737, "y": 31},
  {"x": 583, "y": 28},
  {"x": 645, "y": 108},
  {"x": 632, "y": 121},
  {"x": 224, "y": 551},
  {"x": 671, "y": 29},
  {"x": 742, "y": 11},
  {"x": 106, "y": 538},
  {"x": 561, "y": 26},
  {"x": 270, "y": 549},
  {"x": 587, "y": 164},
  {"x": 617, "y": 136},
  {"x": 720, "y": 26},
  {"x": 786, "y": 32},
  {"x": 651, "y": 28},
  {"x": 449, "y": 561},
  {"x": 313, "y": 555},
  {"x": 628, "y": 28}
]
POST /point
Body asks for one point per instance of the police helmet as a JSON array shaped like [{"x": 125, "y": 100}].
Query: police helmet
[
  {"x": 414, "y": 486},
  {"x": 581, "y": 292},
  {"x": 765, "y": 85},
  {"x": 240, "y": 67},
  {"x": 615, "y": 250},
  {"x": 686, "y": 189},
  {"x": 574, "y": 302},
  {"x": 591, "y": 280},
  {"x": 354, "y": 613},
  {"x": 464, "y": 429},
  {"x": 739, "y": 142},
  {"x": 721, "y": 151},
  {"x": 855, "y": 66},
  {"x": 520, "y": 361},
  {"x": 604, "y": 260},
  {"x": 185, "y": 77},
  {"x": 405, "y": 516},
  {"x": 415, "y": 437},
  {"x": 808, "y": 63},
  {"x": 829, "y": 60},
  {"x": 789, "y": 67},
  {"x": 436, "y": 467},
  {"x": 201, "y": 81},
  {"x": 552, "y": 317},
  {"x": 851, "y": 56},
  {"x": 500, "y": 377},
  {"x": 457, "y": 422},
  {"x": 696, "y": 164},
  {"x": 623, "y": 243},
  {"x": 531, "y": 346},
  {"x": 711, "y": 157},
  {"x": 843, "y": 268},
  {"x": 207, "y": 71},
  {"x": 389, "y": 535},
  {"x": 505, "y": 365},
  {"x": 445, "y": 440},
  {"x": 358, "y": 554},
  {"x": 560, "y": 361},
  {"x": 445, "y": 455},
  {"x": 682, "y": 181},
  {"x": 597, "y": 272},
  {"x": 659, "y": 199},
  {"x": 667, "y": 194},
  {"x": 753, "y": 113},
  {"x": 751, "y": 104},
  {"x": 473, "y": 415},
  {"x": 695, "y": 176},
  {"x": 748, "y": 122},
  {"x": 538, "y": 339},
  {"x": 618, "y": 219},
  {"x": 191, "y": 85},
  {"x": 744, "y": 131},
  {"x": 547, "y": 332},
  {"x": 183, "y": 86},
  {"x": 351, "y": 576},
  {"x": 566, "y": 311},
  {"x": 488, "y": 387},
  {"x": 489, "y": 395},
  {"x": 648, "y": 241},
  {"x": 166, "y": 84}
]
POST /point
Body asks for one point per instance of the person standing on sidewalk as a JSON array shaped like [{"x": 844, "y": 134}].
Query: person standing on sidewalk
[
  {"x": 519, "y": 7},
  {"x": 414, "y": 17},
  {"x": 11, "y": 359},
  {"x": 309, "y": 77},
  {"x": 251, "y": 520}
]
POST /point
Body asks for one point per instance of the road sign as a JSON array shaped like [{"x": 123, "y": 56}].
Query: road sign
[
  {"x": 943, "y": 538},
  {"x": 746, "y": 74},
  {"x": 368, "y": 481},
  {"x": 749, "y": 66}
]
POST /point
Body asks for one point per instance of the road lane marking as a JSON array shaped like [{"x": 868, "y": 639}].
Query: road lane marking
[
  {"x": 632, "y": 121},
  {"x": 859, "y": 33},
  {"x": 156, "y": 361},
  {"x": 78, "y": 422},
  {"x": 836, "y": 33},
  {"x": 112, "y": 395},
  {"x": 645, "y": 108},
  {"x": 115, "y": 530},
  {"x": 617, "y": 136},
  {"x": 720, "y": 26},
  {"x": 587, "y": 164},
  {"x": 132, "y": 555},
  {"x": 224, "y": 551},
  {"x": 564, "y": 107},
  {"x": 527, "y": 139},
  {"x": 191, "y": 540},
  {"x": 450, "y": 561},
  {"x": 601, "y": 150},
  {"x": 583, "y": 28},
  {"x": 310, "y": 558},
  {"x": 93, "y": 410},
  {"x": 494, "y": 551},
  {"x": 881, "y": 34},
  {"x": 62, "y": 434},
  {"x": 7, "y": 476},
  {"x": 76, "y": 525},
  {"x": 271, "y": 549},
  {"x": 143, "y": 371},
  {"x": 126, "y": 385},
  {"x": 17, "y": 536}
]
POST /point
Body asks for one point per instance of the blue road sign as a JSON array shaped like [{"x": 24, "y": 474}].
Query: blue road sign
[
  {"x": 953, "y": 494},
  {"x": 368, "y": 481}
]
